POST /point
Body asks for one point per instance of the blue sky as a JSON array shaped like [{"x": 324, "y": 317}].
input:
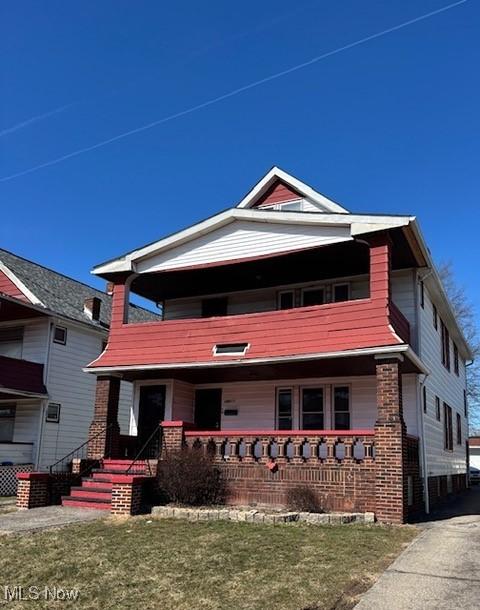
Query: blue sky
[{"x": 391, "y": 125}]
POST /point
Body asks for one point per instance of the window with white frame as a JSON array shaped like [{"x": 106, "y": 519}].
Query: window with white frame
[
  {"x": 341, "y": 292},
  {"x": 286, "y": 299},
  {"x": 313, "y": 408},
  {"x": 341, "y": 407},
  {"x": 284, "y": 409},
  {"x": 53, "y": 413},
  {"x": 313, "y": 296},
  {"x": 7, "y": 423}
]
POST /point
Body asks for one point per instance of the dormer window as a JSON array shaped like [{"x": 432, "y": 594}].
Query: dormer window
[
  {"x": 230, "y": 349},
  {"x": 286, "y": 299}
]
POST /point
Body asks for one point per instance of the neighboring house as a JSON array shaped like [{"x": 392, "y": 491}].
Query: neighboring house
[
  {"x": 303, "y": 344},
  {"x": 474, "y": 451},
  {"x": 51, "y": 326}
]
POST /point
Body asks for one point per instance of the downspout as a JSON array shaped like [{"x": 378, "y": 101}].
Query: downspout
[
  {"x": 426, "y": 496},
  {"x": 46, "y": 369}
]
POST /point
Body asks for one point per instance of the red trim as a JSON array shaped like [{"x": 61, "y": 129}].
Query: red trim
[
  {"x": 216, "y": 433},
  {"x": 33, "y": 476},
  {"x": 176, "y": 424}
]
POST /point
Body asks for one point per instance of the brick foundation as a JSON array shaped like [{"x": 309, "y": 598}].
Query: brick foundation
[{"x": 32, "y": 490}]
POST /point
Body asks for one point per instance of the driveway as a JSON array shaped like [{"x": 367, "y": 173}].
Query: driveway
[
  {"x": 23, "y": 521},
  {"x": 440, "y": 569}
]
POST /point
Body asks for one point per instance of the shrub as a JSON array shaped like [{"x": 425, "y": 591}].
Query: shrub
[
  {"x": 187, "y": 476},
  {"x": 303, "y": 499}
]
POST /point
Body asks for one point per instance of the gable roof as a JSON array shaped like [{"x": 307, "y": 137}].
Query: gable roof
[
  {"x": 60, "y": 294},
  {"x": 287, "y": 188}
]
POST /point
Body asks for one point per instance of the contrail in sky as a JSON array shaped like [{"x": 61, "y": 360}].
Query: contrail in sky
[
  {"x": 34, "y": 119},
  {"x": 229, "y": 94}
]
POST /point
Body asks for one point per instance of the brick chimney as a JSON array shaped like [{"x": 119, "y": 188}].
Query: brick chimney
[{"x": 91, "y": 307}]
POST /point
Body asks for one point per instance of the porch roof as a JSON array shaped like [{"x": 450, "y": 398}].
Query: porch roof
[{"x": 21, "y": 378}]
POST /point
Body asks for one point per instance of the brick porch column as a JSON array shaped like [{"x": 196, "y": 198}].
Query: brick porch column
[
  {"x": 390, "y": 445},
  {"x": 173, "y": 438},
  {"x": 104, "y": 427}
]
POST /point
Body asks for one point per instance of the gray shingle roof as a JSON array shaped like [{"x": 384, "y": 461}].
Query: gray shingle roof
[{"x": 64, "y": 295}]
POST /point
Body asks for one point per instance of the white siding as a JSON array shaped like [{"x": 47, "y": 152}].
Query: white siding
[
  {"x": 403, "y": 295},
  {"x": 256, "y": 402},
  {"x": 35, "y": 339},
  {"x": 27, "y": 417},
  {"x": 68, "y": 385},
  {"x": 449, "y": 388},
  {"x": 239, "y": 239}
]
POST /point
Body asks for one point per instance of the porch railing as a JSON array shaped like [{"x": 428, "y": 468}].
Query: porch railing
[{"x": 290, "y": 446}]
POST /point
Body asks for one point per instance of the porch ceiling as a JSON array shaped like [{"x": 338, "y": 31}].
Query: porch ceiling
[
  {"x": 12, "y": 309},
  {"x": 315, "y": 264},
  {"x": 338, "y": 367}
]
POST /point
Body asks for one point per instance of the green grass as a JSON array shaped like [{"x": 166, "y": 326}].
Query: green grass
[{"x": 177, "y": 565}]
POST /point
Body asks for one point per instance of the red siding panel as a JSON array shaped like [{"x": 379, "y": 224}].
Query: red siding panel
[
  {"x": 9, "y": 288},
  {"x": 277, "y": 193}
]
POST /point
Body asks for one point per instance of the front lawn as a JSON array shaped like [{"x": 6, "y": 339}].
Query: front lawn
[{"x": 177, "y": 565}]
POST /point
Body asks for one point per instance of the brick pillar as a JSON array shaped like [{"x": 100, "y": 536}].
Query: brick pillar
[
  {"x": 104, "y": 430},
  {"x": 127, "y": 494},
  {"x": 173, "y": 438},
  {"x": 390, "y": 445},
  {"x": 32, "y": 490}
]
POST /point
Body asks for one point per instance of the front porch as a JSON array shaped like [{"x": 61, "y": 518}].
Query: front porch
[{"x": 352, "y": 439}]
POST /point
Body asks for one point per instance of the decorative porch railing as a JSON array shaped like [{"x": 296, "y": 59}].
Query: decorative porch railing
[{"x": 290, "y": 446}]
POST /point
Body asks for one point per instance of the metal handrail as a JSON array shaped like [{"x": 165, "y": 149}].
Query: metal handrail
[
  {"x": 157, "y": 432},
  {"x": 76, "y": 451}
]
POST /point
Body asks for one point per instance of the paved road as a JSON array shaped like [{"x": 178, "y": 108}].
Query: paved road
[
  {"x": 440, "y": 569},
  {"x": 35, "y": 519}
]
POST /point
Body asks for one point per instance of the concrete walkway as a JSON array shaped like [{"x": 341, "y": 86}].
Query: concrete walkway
[
  {"x": 440, "y": 569},
  {"x": 23, "y": 521}
]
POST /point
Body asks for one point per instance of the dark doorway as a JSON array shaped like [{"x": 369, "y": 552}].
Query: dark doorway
[
  {"x": 151, "y": 411},
  {"x": 208, "y": 409}
]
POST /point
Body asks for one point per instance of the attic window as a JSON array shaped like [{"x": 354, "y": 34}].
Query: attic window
[{"x": 230, "y": 349}]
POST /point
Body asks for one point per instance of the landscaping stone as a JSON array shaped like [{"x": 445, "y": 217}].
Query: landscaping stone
[{"x": 259, "y": 516}]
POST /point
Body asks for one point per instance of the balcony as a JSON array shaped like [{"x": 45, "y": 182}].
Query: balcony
[
  {"x": 300, "y": 332},
  {"x": 21, "y": 378}
]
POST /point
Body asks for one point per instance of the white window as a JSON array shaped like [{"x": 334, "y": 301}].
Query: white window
[
  {"x": 60, "y": 335},
  {"x": 284, "y": 409},
  {"x": 286, "y": 299},
  {"x": 53, "y": 412},
  {"x": 312, "y": 408},
  {"x": 230, "y": 349},
  {"x": 7, "y": 423},
  {"x": 341, "y": 407},
  {"x": 313, "y": 296},
  {"x": 341, "y": 292},
  {"x": 11, "y": 341}
]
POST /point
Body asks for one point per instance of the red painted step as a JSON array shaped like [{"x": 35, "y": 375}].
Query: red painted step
[
  {"x": 69, "y": 501},
  {"x": 102, "y": 476},
  {"x": 91, "y": 484},
  {"x": 92, "y": 494}
]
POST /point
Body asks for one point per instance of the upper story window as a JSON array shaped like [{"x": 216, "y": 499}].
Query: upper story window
[
  {"x": 435, "y": 317},
  {"x": 424, "y": 399},
  {"x": 11, "y": 342},
  {"x": 286, "y": 299},
  {"x": 60, "y": 335},
  {"x": 445, "y": 339},
  {"x": 437, "y": 408},
  {"x": 216, "y": 306},
  {"x": 7, "y": 423},
  {"x": 313, "y": 296},
  {"x": 459, "y": 429},
  {"x": 341, "y": 292},
  {"x": 447, "y": 427},
  {"x": 465, "y": 403},
  {"x": 422, "y": 294},
  {"x": 455, "y": 360}
]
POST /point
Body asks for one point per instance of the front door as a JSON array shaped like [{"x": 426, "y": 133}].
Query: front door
[
  {"x": 208, "y": 409},
  {"x": 151, "y": 411}
]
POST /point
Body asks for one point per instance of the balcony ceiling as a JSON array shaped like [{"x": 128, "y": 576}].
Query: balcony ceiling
[{"x": 316, "y": 264}]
